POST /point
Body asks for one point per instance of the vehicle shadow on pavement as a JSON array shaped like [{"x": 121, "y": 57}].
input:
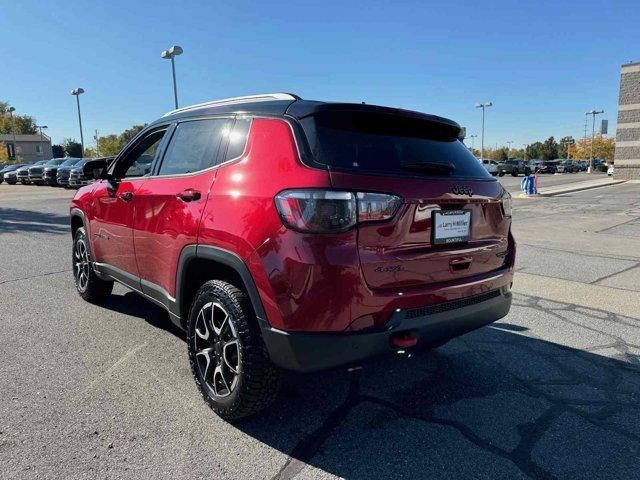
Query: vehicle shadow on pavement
[
  {"x": 496, "y": 403},
  {"x": 130, "y": 304},
  {"x": 13, "y": 220}
]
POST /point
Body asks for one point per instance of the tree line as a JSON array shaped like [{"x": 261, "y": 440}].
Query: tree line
[
  {"x": 110, "y": 145},
  {"x": 550, "y": 149}
]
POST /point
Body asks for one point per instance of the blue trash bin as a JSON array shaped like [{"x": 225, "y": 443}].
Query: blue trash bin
[{"x": 528, "y": 185}]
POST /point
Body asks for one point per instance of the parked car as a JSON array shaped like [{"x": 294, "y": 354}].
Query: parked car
[
  {"x": 35, "y": 171},
  {"x": 22, "y": 174},
  {"x": 280, "y": 263},
  {"x": 550, "y": 166},
  {"x": 78, "y": 178},
  {"x": 536, "y": 166},
  {"x": 491, "y": 166},
  {"x": 610, "y": 171},
  {"x": 8, "y": 173},
  {"x": 514, "y": 167},
  {"x": 567, "y": 166},
  {"x": 64, "y": 170},
  {"x": 50, "y": 169}
]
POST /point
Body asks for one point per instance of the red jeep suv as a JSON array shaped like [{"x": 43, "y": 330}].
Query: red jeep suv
[{"x": 281, "y": 233}]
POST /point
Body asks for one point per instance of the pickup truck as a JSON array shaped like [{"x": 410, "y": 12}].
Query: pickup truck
[{"x": 513, "y": 167}]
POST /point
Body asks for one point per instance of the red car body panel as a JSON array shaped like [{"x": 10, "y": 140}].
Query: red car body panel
[
  {"x": 306, "y": 282},
  {"x": 111, "y": 224},
  {"x": 164, "y": 224}
]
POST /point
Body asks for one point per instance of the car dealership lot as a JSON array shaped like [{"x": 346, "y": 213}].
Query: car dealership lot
[
  {"x": 513, "y": 183},
  {"x": 550, "y": 391}
]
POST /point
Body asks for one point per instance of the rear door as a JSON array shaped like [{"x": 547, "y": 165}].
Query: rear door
[
  {"x": 171, "y": 202},
  {"x": 424, "y": 163}
]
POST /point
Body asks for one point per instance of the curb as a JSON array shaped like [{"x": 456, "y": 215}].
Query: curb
[{"x": 576, "y": 187}]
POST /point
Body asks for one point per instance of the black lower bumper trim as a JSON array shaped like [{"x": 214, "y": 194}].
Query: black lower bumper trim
[{"x": 307, "y": 351}]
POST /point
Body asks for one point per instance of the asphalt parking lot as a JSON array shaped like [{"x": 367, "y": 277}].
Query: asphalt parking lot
[{"x": 550, "y": 391}]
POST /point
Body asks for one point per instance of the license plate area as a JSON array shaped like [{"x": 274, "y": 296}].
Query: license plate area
[{"x": 450, "y": 226}]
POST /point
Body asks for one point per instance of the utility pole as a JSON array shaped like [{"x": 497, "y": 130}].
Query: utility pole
[
  {"x": 509, "y": 148},
  {"x": 593, "y": 114},
  {"x": 483, "y": 106},
  {"x": 95, "y": 138},
  {"x": 40, "y": 127},
  {"x": 77, "y": 92},
  {"x": 472, "y": 137}
]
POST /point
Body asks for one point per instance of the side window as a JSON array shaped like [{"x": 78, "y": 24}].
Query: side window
[
  {"x": 194, "y": 146},
  {"x": 238, "y": 137},
  {"x": 137, "y": 162}
]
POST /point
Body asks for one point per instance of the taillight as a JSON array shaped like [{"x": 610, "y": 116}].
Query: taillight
[
  {"x": 507, "y": 209},
  {"x": 374, "y": 207},
  {"x": 318, "y": 211},
  {"x": 332, "y": 211}
]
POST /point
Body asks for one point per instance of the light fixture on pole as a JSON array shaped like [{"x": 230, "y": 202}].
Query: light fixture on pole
[
  {"x": 473, "y": 137},
  {"x": 77, "y": 92},
  {"x": 170, "y": 54},
  {"x": 593, "y": 114},
  {"x": 41, "y": 127},
  {"x": 483, "y": 106}
]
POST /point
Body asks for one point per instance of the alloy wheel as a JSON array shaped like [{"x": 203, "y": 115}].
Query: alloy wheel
[
  {"x": 217, "y": 349},
  {"x": 81, "y": 265}
]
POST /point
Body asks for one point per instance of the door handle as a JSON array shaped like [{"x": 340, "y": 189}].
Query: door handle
[
  {"x": 126, "y": 196},
  {"x": 189, "y": 195}
]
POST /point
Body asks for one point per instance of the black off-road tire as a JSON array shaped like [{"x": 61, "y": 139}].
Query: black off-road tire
[
  {"x": 501, "y": 174},
  {"x": 258, "y": 379},
  {"x": 90, "y": 287}
]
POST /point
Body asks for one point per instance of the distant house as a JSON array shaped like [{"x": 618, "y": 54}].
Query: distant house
[{"x": 27, "y": 148}]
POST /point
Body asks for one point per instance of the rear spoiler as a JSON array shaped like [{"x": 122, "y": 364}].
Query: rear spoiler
[{"x": 304, "y": 109}]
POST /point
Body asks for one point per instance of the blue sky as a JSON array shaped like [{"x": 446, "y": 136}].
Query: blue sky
[{"x": 542, "y": 63}]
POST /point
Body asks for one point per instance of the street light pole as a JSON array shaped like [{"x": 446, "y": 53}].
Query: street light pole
[
  {"x": 483, "y": 106},
  {"x": 170, "y": 54},
  {"x": 472, "y": 137},
  {"x": 509, "y": 148},
  {"x": 13, "y": 129},
  {"x": 77, "y": 92},
  {"x": 40, "y": 127},
  {"x": 593, "y": 114},
  {"x": 568, "y": 143}
]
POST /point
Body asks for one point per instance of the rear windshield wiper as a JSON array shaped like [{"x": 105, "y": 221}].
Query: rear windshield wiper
[{"x": 437, "y": 167}]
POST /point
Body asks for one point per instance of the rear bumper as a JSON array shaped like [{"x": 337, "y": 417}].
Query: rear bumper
[{"x": 306, "y": 351}]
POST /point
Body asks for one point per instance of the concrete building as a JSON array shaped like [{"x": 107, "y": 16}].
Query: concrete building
[
  {"x": 28, "y": 148},
  {"x": 627, "y": 156}
]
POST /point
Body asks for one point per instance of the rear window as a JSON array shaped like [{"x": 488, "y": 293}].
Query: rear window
[{"x": 388, "y": 144}]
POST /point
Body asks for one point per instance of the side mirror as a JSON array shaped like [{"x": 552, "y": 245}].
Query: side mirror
[{"x": 95, "y": 169}]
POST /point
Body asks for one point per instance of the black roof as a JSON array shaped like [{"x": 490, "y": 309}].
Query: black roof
[{"x": 294, "y": 107}]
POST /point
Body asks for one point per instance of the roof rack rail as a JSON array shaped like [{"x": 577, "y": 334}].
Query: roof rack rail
[{"x": 265, "y": 97}]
